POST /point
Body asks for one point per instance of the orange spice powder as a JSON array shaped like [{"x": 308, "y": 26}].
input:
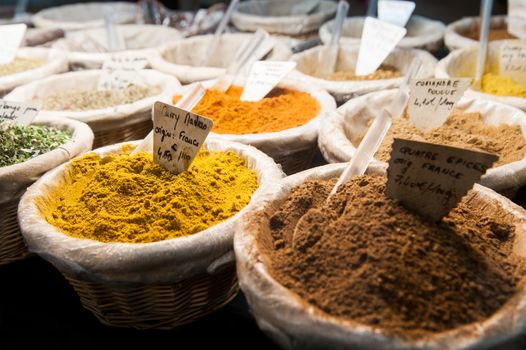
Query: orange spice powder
[{"x": 281, "y": 109}]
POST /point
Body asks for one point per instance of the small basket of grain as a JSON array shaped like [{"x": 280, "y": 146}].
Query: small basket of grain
[
  {"x": 114, "y": 115},
  {"x": 48, "y": 143},
  {"x": 343, "y": 84},
  {"x": 475, "y": 124},
  {"x": 360, "y": 271},
  {"x": 184, "y": 58},
  {"x": 156, "y": 252},
  {"x": 31, "y": 64}
]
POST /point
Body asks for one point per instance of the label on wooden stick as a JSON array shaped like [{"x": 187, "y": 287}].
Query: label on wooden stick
[
  {"x": 513, "y": 61},
  {"x": 431, "y": 179},
  {"x": 119, "y": 71},
  {"x": 395, "y": 12},
  {"x": 177, "y": 136},
  {"x": 11, "y": 37},
  {"x": 263, "y": 77},
  {"x": 432, "y": 100}
]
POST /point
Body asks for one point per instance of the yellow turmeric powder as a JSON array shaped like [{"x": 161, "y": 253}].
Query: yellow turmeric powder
[
  {"x": 501, "y": 85},
  {"x": 281, "y": 109},
  {"x": 122, "y": 198}
]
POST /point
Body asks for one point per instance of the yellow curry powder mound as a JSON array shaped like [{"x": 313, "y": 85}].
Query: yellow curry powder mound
[
  {"x": 502, "y": 86},
  {"x": 281, "y": 109},
  {"x": 122, "y": 198}
]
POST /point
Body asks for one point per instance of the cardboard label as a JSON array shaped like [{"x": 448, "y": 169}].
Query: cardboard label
[
  {"x": 11, "y": 37},
  {"x": 119, "y": 71},
  {"x": 431, "y": 179},
  {"x": 177, "y": 136},
  {"x": 263, "y": 77},
  {"x": 517, "y": 18},
  {"x": 21, "y": 113},
  {"x": 513, "y": 61},
  {"x": 431, "y": 100},
  {"x": 378, "y": 40},
  {"x": 395, "y": 12}
]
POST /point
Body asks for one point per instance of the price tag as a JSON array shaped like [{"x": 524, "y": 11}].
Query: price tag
[
  {"x": 378, "y": 40},
  {"x": 431, "y": 179},
  {"x": 395, "y": 12},
  {"x": 177, "y": 136},
  {"x": 11, "y": 37},
  {"x": 263, "y": 77},
  {"x": 513, "y": 61},
  {"x": 517, "y": 18},
  {"x": 431, "y": 100},
  {"x": 119, "y": 71},
  {"x": 21, "y": 113}
]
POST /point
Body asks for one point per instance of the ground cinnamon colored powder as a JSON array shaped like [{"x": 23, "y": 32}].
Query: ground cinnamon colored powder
[
  {"x": 494, "y": 34},
  {"x": 464, "y": 130},
  {"x": 385, "y": 72},
  {"x": 365, "y": 257},
  {"x": 281, "y": 109}
]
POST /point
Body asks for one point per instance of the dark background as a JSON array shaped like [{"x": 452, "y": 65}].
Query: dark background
[{"x": 38, "y": 309}]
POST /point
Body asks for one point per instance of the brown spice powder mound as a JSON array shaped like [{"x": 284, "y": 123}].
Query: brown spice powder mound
[
  {"x": 464, "y": 130},
  {"x": 365, "y": 257},
  {"x": 494, "y": 34}
]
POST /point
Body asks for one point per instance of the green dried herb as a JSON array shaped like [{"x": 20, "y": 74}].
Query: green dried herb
[{"x": 19, "y": 143}]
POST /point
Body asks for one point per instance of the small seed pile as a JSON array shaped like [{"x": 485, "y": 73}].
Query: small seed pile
[
  {"x": 20, "y": 65},
  {"x": 385, "y": 72}
]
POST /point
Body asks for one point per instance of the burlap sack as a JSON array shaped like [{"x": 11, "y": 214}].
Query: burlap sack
[
  {"x": 166, "y": 261},
  {"x": 273, "y": 16},
  {"x": 56, "y": 63},
  {"x": 455, "y": 32},
  {"x": 295, "y": 324},
  {"x": 309, "y": 63},
  {"x": 14, "y": 179},
  {"x": 88, "y": 49},
  {"x": 287, "y": 147},
  {"x": 104, "y": 122},
  {"x": 462, "y": 63},
  {"x": 422, "y": 33},
  {"x": 183, "y": 58},
  {"x": 350, "y": 121},
  {"x": 83, "y": 15}
]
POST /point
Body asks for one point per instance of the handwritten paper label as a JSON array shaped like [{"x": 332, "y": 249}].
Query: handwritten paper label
[
  {"x": 263, "y": 76},
  {"x": 517, "y": 18},
  {"x": 177, "y": 136},
  {"x": 378, "y": 40},
  {"x": 119, "y": 71},
  {"x": 431, "y": 100},
  {"x": 21, "y": 113},
  {"x": 513, "y": 61},
  {"x": 11, "y": 37},
  {"x": 395, "y": 12},
  {"x": 431, "y": 179}
]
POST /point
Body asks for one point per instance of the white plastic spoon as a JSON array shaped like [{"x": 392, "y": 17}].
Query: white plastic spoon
[
  {"x": 485, "y": 14},
  {"x": 329, "y": 55},
  {"x": 219, "y": 31}
]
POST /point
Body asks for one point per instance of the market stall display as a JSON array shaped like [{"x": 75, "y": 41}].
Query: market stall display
[
  {"x": 26, "y": 153},
  {"x": 161, "y": 280},
  {"x": 422, "y": 33},
  {"x": 114, "y": 116},
  {"x": 480, "y": 125},
  {"x": 344, "y": 84},
  {"x": 293, "y": 259}
]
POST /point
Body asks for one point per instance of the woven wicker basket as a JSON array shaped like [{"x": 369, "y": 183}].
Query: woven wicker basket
[
  {"x": 14, "y": 179},
  {"x": 110, "y": 125},
  {"x": 12, "y": 246},
  {"x": 157, "y": 285},
  {"x": 159, "y": 306}
]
